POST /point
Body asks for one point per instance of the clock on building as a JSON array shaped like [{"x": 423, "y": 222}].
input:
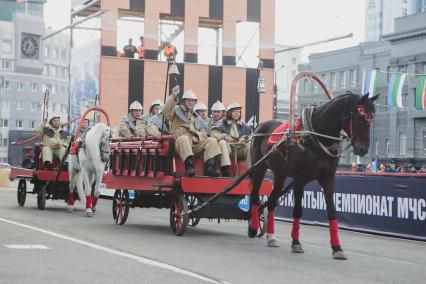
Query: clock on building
[{"x": 30, "y": 46}]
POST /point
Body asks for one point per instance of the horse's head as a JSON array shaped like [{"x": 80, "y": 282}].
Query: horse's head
[
  {"x": 358, "y": 124},
  {"x": 104, "y": 145}
]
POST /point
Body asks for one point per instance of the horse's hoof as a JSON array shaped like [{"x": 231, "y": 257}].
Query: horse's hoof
[
  {"x": 252, "y": 233},
  {"x": 273, "y": 243},
  {"x": 94, "y": 210},
  {"x": 89, "y": 212},
  {"x": 297, "y": 249},
  {"x": 70, "y": 208},
  {"x": 339, "y": 254}
]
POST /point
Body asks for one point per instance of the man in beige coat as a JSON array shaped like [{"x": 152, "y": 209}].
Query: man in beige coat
[
  {"x": 189, "y": 131},
  {"x": 53, "y": 140},
  {"x": 127, "y": 126}
]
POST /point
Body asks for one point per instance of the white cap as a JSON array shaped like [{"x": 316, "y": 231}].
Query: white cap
[
  {"x": 156, "y": 102},
  {"x": 233, "y": 105},
  {"x": 200, "y": 106},
  {"x": 189, "y": 95},
  {"x": 218, "y": 106},
  {"x": 136, "y": 106}
]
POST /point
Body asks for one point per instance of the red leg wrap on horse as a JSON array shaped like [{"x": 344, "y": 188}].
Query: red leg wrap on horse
[
  {"x": 71, "y": 198},
  {"x": 295, "y": 229},
  {"x": 88, "y": 201},
  {"x": 254, "y": 217},
  {"x": 334, "y": 236},
  {"x": 270, "y": 229},
  {"x": 94, "y": 201}
]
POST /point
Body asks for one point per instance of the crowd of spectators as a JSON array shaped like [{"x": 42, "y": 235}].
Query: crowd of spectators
[{"x": 391, "y": 167}]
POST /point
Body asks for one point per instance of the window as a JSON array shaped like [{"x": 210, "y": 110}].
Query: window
[
  {"x": 424, "y": 68},
  {"x": 376, "y": 147},
  {"x": 404, "y": 11},
  {"x": 20, "y": 86},
  {"x": 333, "y": 80},
  {"x": 56, "y": 53},
  {"x": 315, "y": 87},
  {"x": 47, "y": 68},
  {"x": 34, "y": 105},
  {"x": 4, "y": 123},
  {"x": 33, "y": 124},
  {"x": 388, "y": 147},
  {"x": 402, "y": 69},
  {"x": 19, "y": 105},
  {"x": 6, "y": 64},
  {"x": 352, "y": 75},
  {"x": 6, "y": 84},
  {"x": 342, "y": 79},
  {"x": 34, "y": 87},
  {"x": 19, "y": 124},
  {"x": 46, "y": 51},
  {"x": 63, "y": 72},
  {"x": 293, "y": 73},
  {"x": 62, "y": 90},
  {"x": 402, "y": 144},
  {"x": 3, "y": 142},
  {"x": 424, "y": 143},
  {"x": 63, "y": 55},
  {"x": 6, "y": 46},
  {"x": 53, "y": 71},
  {"x": 293, "y": 60},
  {"x": 54, "y": 89}
]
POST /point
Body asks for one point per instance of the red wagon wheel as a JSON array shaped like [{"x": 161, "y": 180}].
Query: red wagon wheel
[
  {"x": 179, "y": 220},
  {"x": 120, "y": 206},
  {"x": 41, "y": 198},
  {"x": 22, "y": 192}
]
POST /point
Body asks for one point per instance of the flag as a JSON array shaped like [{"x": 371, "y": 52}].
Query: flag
[
  {"x": 396, "y": 83},
  {"x": 421, "y": 93},
  {"x": 369, "y": 83}
]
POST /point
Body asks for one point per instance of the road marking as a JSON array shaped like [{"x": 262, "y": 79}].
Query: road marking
[
  {"x": 26, "y": 247},
  {"x": 140, "y": 259}
]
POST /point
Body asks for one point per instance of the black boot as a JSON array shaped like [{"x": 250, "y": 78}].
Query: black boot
[
  {"x": 47, "y": 165},
  {"x": 225, "y": 171},
  {"x": 209, "y": 168},
  {"x": 189, "y": 168}
]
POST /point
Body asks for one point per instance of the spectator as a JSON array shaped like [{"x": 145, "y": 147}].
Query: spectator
[
  {"x": 368, "y": 168},
  {"x": 392, "y": 167},
  {"x": 141, "y": 49},
  {"x": 412, "y": 169},
  {"x": 170, "y": 51},
  {"x": 129, "y": 50},
  {"x": 353, "y": 167},
  {"x": 360, "y": 167},
  {"x": 382, "y": 168},
  {"x": 423, "y": 169}
]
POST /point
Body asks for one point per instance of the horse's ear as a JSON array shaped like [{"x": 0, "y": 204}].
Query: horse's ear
[{"x": 375, "y": 97}]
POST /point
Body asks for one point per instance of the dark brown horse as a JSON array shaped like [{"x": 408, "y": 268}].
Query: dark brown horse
[{"x": 310, "y": 161}]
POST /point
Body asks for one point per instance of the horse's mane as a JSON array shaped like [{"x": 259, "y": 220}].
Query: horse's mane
[
  {"x": 349, "y": 101},
  {"x": 95, "y": 136}
]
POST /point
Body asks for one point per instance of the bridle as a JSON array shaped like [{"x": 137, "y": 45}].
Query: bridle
[{"x": 364, "y": 114}]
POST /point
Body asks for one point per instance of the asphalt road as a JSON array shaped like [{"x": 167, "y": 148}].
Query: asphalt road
[{"x": 76, "y": 249}]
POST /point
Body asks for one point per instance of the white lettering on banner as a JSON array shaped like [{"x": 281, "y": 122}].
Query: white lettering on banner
[{"x": 375, "y": 205}]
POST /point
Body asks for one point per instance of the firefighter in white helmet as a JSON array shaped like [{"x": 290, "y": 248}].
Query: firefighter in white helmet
[
  {"x": 201, "y": 109},
  {"x": 127, "y": 127},
  {"x": 154, "y": 109},
  {"x": 218, "y": 111},
  {"x": 233, "y": 138},
  {"x": 53, "y": 140},
  {"x": 189, "y": 131}
]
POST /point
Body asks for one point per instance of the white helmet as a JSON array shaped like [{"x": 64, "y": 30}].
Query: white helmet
[
  {"x": 156, "y": 102},
  {"x": 200, "y": 106},
  {"x": 233, "y": 105},
  {"x": 52, "y": 117},
  {"x": 218, "y": 106},
  {"x": 136, "y": 106},
  {"x": 189, "y": 95}
]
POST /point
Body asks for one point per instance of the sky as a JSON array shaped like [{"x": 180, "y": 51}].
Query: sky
[{"x": 297, "y": 21}]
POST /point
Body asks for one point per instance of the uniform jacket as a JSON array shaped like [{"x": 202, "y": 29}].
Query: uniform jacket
[{"x": 52, "y": 137}]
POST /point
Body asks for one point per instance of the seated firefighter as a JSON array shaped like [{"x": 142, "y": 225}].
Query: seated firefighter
[
  {"x": 154, "y": 109},
  {"x": 127, "y": 126},
  {"x": 233, "y": 138},
  {"x": 189, "y": 131},
  {"x": 53, "y": 140},
  {"x": 201, "y": 109},
  {"x": 157, "y": 125},
  {"x": 218, "y": 110}
]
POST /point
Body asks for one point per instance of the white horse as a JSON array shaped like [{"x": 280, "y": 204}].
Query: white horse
[{"x": 88, "y": 166}]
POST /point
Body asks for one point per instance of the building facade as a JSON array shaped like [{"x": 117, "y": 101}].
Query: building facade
[
  {"x": 380, "y": 15},
  {"x": 397, "y": 133},
  {"x": 287, "y": 60},
  {"x": 29, "y": 66}
]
